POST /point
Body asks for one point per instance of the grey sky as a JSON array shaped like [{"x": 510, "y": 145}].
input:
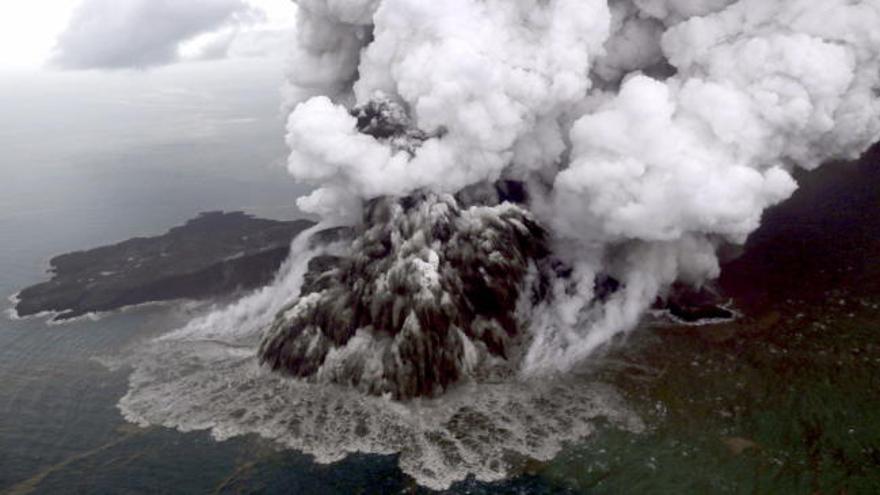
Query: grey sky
[
  {"x": 138, "y": 33},
  {"x": 142, "y": 33},
  {"x": 212, "y": 116}
]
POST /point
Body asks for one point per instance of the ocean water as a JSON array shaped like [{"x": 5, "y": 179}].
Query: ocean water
[
  {"x": 80, "y": 170},
  {"x": 85, "y": 166},
  {"x": 61, "y": 430},
  {"x": 784, "y": 401}
]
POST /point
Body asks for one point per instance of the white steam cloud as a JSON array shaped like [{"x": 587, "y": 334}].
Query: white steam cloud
[{"x": 649, "y": 131}]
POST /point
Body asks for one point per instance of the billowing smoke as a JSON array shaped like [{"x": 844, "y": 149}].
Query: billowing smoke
[
  {"x": 645, "y": 135},
  {"x": 510, "y": 184},
  {"x": 425, "y": 281}
]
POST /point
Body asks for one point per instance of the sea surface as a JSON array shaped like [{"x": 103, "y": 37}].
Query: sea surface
[
  {"x": 85, "y": 166},
  {"x": 787, "y": 400}
]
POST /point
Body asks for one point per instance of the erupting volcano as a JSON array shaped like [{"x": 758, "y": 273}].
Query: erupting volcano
[
  {"x": 504, "y": 186},
  {"x": 640, "y": 136},
  {"x": 429, "y": 286}
]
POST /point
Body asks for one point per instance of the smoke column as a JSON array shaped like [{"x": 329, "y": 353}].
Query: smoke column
[
  {"x": 648, "y": 132},
  {"x": 522, "y": 179}
]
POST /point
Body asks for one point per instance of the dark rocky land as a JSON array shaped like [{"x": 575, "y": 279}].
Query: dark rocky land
[
  {"x": 213, "y": 254},
  {"x": 786, "y": 399},
  {"x": 424, "y": 275}
]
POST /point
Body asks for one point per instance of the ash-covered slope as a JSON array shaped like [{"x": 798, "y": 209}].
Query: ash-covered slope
[
  {"x": 426, "y": 294},
  {"x": 212, "y": 254}
]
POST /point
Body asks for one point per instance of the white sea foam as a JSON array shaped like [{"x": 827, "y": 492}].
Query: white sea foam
[
  {"x": 209, "y": 385},
  {"x": 51, "y": 316},
  {"x": 206, "y": 376},
  {"x": 665, "y": 314},
  {"x": 90, "y": 316},
  {"x": 11, "y": 312}
]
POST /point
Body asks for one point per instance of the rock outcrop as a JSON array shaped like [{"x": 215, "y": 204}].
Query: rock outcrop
[
  {"x": 213, "y": 254},
  {"x": 425, "y": 295}
]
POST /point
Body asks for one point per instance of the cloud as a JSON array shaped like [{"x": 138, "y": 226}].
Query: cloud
[
  {"x": 653, "y": 131},
  {"x": 115, "y": 34}
]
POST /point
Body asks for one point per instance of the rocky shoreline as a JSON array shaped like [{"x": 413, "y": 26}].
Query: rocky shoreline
[{"x": 213, "y": 254}]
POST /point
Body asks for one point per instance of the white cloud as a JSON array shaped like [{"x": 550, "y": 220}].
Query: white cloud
[
  {"x": 655, "y": 129},
  {"x": 28, "y": 31},
  {"x": 112, "y": 34}
]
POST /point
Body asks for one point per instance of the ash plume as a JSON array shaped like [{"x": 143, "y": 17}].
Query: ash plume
[
  {"x": 125, "y": 34},
  {"x": 645, "y": 134},
  {"x": 428, "y": 293}
]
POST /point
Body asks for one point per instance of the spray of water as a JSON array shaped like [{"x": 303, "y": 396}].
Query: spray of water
[
  {"x": 207, "y": 376},
  {"x": 645, "y": 134}
]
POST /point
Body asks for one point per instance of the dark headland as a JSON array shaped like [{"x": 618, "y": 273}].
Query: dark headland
[{"x": 213, "y": 254}]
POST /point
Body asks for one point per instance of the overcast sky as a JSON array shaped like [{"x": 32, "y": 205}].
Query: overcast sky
[
  {"x": 116, "y": 82},
  {"x": 84, "y": 34},
  {"x": 59, "y": 57}
]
